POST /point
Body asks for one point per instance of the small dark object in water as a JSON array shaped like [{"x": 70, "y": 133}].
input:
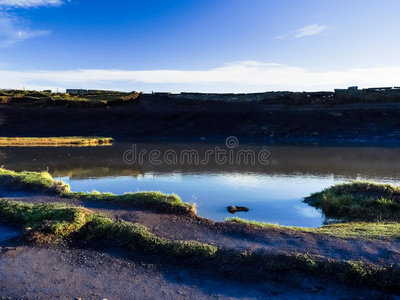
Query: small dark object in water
[
  {"x": 242, "y": 208},
  {"x": 235, "y": 209},
  {"x": 231, "y": 209}
]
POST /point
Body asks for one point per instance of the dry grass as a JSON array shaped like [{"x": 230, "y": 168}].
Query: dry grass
[{"x": 55, "y": 141}]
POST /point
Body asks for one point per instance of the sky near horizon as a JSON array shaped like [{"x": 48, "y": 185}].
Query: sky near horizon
[{"x": 200, "y": 46}]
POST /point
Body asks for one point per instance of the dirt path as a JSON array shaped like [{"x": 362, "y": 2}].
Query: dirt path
[
  {"x": 64, "y": 273},
  {"x": 240, "y": 237}
]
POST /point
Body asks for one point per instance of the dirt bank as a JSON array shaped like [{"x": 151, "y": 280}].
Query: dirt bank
[
  {"x": 67, "y": 273},
  {"x": 107, "y": 235},
  {"x": 153, "y": 117},
  {"x": 239, "y": 236}
]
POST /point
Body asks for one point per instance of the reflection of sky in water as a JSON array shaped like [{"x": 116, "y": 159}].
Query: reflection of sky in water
[
  {"x": 275, "y": 199},
  {"x": 273, "y": 193}
]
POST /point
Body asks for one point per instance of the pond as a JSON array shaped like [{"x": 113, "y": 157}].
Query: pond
[{"x": 269, "y": 180}]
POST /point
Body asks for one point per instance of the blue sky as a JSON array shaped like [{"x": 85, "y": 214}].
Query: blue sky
[{"x": 204, "y": 45}]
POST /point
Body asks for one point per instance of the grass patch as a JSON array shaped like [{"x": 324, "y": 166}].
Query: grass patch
[
  {"x": 55, "y": 141},
  {"x": 367, "y": 230},
  {"x": 154, "y": 200},
  {"x": 36, "y": 181},
  {"x": 365, "y": 201},
  {"x": 136, "y": 236},
  {"x": 45, "y": 223},
  {"x": 43, "y": 181}
]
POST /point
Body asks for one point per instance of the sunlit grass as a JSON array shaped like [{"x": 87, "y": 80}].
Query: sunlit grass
[
  {"x": 365, "y": 230},
  {"x": 50, "y": 222},
  {"x": 94, "y": 98},
  {"x": 43, "y": 181},
  {"x": 55, "y": 141},
  {"x": 36, "y": 181},
  {"x": 367, "y": 201}
]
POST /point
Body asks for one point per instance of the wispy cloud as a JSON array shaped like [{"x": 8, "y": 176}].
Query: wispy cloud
[
  {"x": 280, "y": 37},
  {"x": 313, "y": 29},
  {"x": 12, "y": 31},
  {"x": 12, "y": 28},
  {"x": 30, "y": 3},
  {"x": 247, "y": 76},
  {"x": 310, "y": 30}
]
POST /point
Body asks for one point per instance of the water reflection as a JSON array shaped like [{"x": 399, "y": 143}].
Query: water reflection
[{"x": 272, "y": 192}]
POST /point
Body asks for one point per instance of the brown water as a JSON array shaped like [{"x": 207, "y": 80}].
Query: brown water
[{"x": 272, "y": 186}]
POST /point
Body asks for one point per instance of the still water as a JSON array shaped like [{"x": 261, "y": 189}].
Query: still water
[{"x": 270, "y": 180}]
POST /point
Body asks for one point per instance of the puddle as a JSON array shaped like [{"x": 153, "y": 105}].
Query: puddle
[{"x": 7, "y": 233}]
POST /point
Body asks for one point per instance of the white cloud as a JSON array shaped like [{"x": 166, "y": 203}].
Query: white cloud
[
  {"x": 313, "y": 29},
  {"x": 307, "y": 212},
  {"x": 247, "y": 76},
  {"x": 310, "y": 30},
  {"x": 12, "y": 31},
  {"x": 280, "y": 37},
  {"x": 30, "y": 3}
]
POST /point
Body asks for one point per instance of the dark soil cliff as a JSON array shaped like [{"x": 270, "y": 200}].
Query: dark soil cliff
[{"x": 153, "y": 117}]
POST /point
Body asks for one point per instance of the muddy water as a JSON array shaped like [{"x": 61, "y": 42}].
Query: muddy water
[{"x": 270, "y": 180}]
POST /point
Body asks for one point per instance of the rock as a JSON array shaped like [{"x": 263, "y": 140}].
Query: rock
[
  {"x": 242, "y": 208},
  {"x": 235, "y": 209},
  {"x": 231, "y": 209}
]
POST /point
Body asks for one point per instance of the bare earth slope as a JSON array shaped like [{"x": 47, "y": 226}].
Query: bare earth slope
[{"x": 160, "y": 118}]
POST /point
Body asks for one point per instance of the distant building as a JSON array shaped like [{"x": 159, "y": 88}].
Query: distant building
[
  {"x": 77, "y": 91},
  {"x": 380, "y": 89}
]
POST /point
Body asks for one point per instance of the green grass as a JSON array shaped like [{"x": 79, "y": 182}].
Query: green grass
[
  {"x": 366, "y": 230},
  {"x": 43, "y": 181},
  {"x": 37, "y": 181},
  {"x": 55, "y": 220},
  {"x": 136, "y": 236},
  {"x": 141, "y": 199},
  {"x": 55, "y": 141},
  {"x": 359, "y": 201},
  {"x": 51, "y": 222}
]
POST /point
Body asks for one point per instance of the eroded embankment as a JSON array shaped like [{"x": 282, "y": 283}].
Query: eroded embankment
[
  {"x": 158, "y": 118},
  {"x": 126, "y": 222}
]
